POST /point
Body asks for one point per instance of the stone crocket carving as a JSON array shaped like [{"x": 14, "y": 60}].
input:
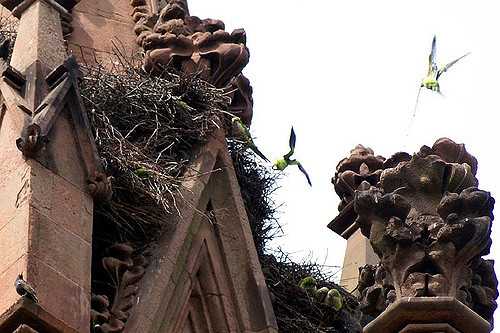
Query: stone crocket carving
[{"x": 125, "y": 271}]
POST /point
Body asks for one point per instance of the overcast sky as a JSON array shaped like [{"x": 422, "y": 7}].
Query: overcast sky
[{"x": 347, "y": 72}]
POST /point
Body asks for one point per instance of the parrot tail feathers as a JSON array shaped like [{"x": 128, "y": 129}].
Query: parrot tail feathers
[
  {"x": 259, "y": 153},
  {"x": 414, "y": 113}
]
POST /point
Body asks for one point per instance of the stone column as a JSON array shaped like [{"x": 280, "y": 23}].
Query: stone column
[
  {"x": 358, "y": 253},
  {"x": 45, "y": 207},
  {"x": 430, "y": 225}
]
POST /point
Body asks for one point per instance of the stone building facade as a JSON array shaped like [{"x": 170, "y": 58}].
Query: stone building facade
[{"x": 203, "y": 276}]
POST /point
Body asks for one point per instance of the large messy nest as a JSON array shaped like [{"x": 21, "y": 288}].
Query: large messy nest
[{"x": 147, "y": 131}]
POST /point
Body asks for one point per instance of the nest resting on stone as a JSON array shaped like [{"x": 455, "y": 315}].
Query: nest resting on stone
[
  {"x": 8, "y": 31},
  {"x": 146, "y": 129},
  {"x": 257, "y": 183},
  {"x": 297, "y": 311}
]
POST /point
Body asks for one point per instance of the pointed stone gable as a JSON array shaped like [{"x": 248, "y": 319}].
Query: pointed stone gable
[{"x": 205, "y": 276}]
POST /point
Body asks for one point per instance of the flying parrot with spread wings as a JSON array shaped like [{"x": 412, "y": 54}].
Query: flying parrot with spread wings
[
  {"x": 431, "y": 80},
  {"x": 433, "y": 72},
  {"x": 284, "y": 162}
]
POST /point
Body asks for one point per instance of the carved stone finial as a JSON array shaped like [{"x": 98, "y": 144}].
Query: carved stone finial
[
  {"x": 429, "y": 224},
  {"x": 172, "y": 38},
  {"x": 361, "y": 166}
]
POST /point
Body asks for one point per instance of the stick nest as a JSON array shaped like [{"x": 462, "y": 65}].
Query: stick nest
[
  {"x": 147, "y": 129},
  {"x": 297, "y": 311}
]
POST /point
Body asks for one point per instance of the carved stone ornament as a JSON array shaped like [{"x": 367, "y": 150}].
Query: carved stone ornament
[
  {"x": 100, "y": 187},
  {"x": 173, "y": 38},
  {"x": 63, "y": 91},
  {"x": 429, "y": 224},
  {"x": 125, "y": 271},
  {"x": 32, "y": 141},
  {"x": 361, "y": 166}
]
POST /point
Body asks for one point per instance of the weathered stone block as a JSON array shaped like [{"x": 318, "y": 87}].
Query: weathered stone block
[
  {"x": 59, "y": 296},
  {"x": 62, "y": 250},
  {"x": 14, "y": 240}
]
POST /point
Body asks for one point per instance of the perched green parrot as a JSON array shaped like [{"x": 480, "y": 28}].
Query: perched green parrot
[
  {"x": 243, "y": 133},
  {"x": 183, "y": 105},
  {"x": 142, "y": 172},
  {"x": 433, "y": 72},
  {"x": 283, "y": 163},
  {"x": 334, "y": 299},
  {"x": 321, "y": 294},
  {"x": 308, "y": 284}
]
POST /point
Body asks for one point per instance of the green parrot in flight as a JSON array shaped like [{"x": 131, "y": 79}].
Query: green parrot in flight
[
  {"x": 243, "y": 133},
  {"x": 433, "y": 72},
  {"x": 431, "y": 81},
  {"x": 283, "y": 163}
]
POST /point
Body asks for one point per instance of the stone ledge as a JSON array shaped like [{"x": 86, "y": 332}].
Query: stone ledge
[
  {"x": 415, "y": 314},
  {"x": 28, "y": 313}
]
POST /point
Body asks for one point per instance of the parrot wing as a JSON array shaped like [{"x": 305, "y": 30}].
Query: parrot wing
[
  {"x": 241, "y": 131},
  {"x": 291, "y": 143},
  {"x": 432, "y": 56},
  {"x": 447, "y": 66},
  {"x": 301, "y": 168}
]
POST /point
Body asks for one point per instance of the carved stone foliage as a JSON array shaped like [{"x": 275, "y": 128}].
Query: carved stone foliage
[
  {"x": 429, "y": 224},
  {"x": 173, "y": 38},
  {"x": 125, "y": 270},
  {"x": 376, "y": 289},
  {"x": 361, "y": 166}
]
